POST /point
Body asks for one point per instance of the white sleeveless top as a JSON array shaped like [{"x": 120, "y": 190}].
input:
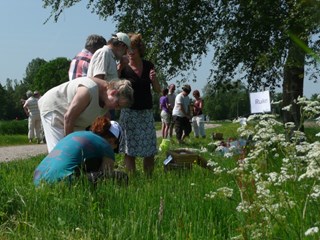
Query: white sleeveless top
[{"x": 58, "y": 99}]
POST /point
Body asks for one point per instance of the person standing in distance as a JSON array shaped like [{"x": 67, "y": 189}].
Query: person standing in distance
[
  {"x": 80, "y": 63},
  {"x": 198, "y": 117},
  {"x": 34, "y": 122},
  {"x": 181, "y": 112},
  {"x": 171, "y": 97}
]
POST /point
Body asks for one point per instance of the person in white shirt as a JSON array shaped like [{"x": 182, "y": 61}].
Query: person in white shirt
[
  {"x": 34, "y": 122},
  {"x": 181, "y": 113}
]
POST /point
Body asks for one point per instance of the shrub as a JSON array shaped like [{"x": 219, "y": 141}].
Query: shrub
[{"x": 14, "y": 127}]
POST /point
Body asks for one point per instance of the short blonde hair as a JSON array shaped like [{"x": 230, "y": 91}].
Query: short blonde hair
[{"x": 125, "y": 90}]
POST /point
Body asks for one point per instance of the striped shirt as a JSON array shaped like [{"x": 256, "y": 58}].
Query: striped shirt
[
  {"x": 32, "y": 105},
  {"x": 80, "y": 64}
]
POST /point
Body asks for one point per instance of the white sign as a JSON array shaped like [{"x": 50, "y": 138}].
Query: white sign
[{"x": 260, "y": 102}]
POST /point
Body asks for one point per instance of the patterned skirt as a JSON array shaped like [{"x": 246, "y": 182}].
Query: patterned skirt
[{"x": 139, "y": 134}]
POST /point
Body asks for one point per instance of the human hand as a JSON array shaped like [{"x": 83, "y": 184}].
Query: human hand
[{"x": 152, "y": 75}]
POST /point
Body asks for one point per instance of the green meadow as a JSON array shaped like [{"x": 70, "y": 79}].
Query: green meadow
[{"x": 232, "y": 200}]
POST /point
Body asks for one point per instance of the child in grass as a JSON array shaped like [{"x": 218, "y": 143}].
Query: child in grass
[{"x": 77, "y": 150}]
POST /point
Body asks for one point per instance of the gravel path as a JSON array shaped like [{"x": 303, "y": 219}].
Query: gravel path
[
  {"x": 21, "y": 152},
  {"x": 26, "y": 151}
]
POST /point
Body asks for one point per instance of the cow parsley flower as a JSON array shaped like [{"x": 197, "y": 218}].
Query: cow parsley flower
[{"x": 311, "y": 231}]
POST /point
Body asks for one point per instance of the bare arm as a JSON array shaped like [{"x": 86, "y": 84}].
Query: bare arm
[
  {"x": 25, "y": 108},
  {"x": 101, "y": 76},
  {"x": 78, "y": 104},
  {"x": 155, "y": 84}
]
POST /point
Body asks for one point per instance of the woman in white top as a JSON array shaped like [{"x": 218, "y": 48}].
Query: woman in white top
[{"x": 73, "y": 105}]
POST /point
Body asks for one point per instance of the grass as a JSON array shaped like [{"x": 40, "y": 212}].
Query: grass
[
  {"x": 12, "y": 140},
  {"x": 170, "y": 205}
]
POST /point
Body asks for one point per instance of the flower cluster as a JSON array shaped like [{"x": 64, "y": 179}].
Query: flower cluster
[{"x": 279, "y": 174}]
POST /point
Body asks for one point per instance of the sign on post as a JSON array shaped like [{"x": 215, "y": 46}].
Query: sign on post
[{"x": 260, "y": 102}]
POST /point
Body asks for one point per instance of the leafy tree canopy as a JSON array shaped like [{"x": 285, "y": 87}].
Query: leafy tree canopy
[
  {"x": 51, "y": 74},
  {"x": 251, "y": 37}
]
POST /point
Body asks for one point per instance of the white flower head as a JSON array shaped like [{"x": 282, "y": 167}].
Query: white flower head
[{"x": 311, "y": 231}]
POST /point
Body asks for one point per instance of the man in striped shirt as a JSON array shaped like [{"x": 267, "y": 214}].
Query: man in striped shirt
[{"x": 80, "y": 63}]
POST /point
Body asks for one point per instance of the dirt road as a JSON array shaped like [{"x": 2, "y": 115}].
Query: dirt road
[{"x": 26, "y": 151}]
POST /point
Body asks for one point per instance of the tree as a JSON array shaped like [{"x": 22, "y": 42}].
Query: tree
[
  {"x": 31, "y": 71},
  {"x": 51, "y": 74},
  {"x": 229, "y": 102},
  {"x": 268, "y": 42}
]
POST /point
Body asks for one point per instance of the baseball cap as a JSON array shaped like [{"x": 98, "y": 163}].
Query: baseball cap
[
  {"x": 124, "y": 38},
  {"x": 116, "y": 130}
]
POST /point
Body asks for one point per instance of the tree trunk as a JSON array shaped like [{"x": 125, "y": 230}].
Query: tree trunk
[{"x": 293, "y": 85}]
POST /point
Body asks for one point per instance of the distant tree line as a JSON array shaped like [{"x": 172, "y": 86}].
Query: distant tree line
[
  {"x": 40, "y": 75},
  {"x": 227, "y": 102}
]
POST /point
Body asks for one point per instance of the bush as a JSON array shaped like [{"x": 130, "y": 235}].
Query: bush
[{"x": 14, "y": 127}]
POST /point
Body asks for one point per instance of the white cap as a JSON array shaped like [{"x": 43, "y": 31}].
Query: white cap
[
  {"x": 115, "y": 129},
  {"x": 124, "y": 38}
]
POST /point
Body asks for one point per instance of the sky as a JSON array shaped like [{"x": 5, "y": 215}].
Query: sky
[{"x": 24, "y": 37}]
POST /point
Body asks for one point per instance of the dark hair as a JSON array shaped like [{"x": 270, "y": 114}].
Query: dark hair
[
  {"x": 196, "y": 93},
  {"x": 94, "y": 42},
  {"x": 186, "y": 88},
  {"x": 165, "y": 92},
  {"x": 114, "y": 41}
]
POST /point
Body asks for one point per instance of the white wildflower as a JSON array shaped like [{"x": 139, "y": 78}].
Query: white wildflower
[
  {"x": 243, "y": 207},
  {"x": 287, "y": 108},
  {"x": 225, "y": 192},
  {"x": 228, "y": 155},
  {"x": 311, "y": 231}
]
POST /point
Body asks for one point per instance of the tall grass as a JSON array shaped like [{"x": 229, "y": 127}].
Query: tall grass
[{"x": 235, "y": 200}]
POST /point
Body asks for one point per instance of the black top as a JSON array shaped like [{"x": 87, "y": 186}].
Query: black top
[{"x": 141, "y": 85}]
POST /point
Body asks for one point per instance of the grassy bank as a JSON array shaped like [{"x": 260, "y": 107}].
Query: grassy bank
[{"x": 232, "y": 201}]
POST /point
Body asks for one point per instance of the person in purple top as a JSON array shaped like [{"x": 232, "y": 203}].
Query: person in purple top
[{"x": 165, "y": 113}]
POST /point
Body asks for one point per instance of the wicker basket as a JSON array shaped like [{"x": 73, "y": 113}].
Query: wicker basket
[{"x": 181, "y": 159}]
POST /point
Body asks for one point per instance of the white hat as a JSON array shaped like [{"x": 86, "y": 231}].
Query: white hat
[
  {"x": 124, "y": 38},
  {"x": 115, "y": 129}
]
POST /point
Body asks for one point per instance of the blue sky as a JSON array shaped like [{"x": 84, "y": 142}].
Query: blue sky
[{"x": 24, "y": 37}]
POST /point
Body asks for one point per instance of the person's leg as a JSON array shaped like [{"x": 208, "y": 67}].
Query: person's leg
[
  {"x": 37, "y": 126},
  {"x": 171, "y": 125},
  {"x": 148, "y": 165},
  {"x": 186, "y": 127},
  {"x": 130, "y": 163},
  {"x": 195, "y": 126},
  {"x": 30, "y": 129},
  {"x": 166, "y": 129},
  {"x": 178, "y": 128},
  {"x": 201, "y": 126},
  {"x": 53, "y": 134}
]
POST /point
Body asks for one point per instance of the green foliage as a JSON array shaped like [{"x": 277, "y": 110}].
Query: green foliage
[
  {"x": 31, "y": 72},
  {"x": 13, "y": 127},
  {"x": 51, "y": 74},
  {"x": 227, "y": 102},
  {"x": 11, "y": 105},
  {"x": 170, "y": 205}
]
